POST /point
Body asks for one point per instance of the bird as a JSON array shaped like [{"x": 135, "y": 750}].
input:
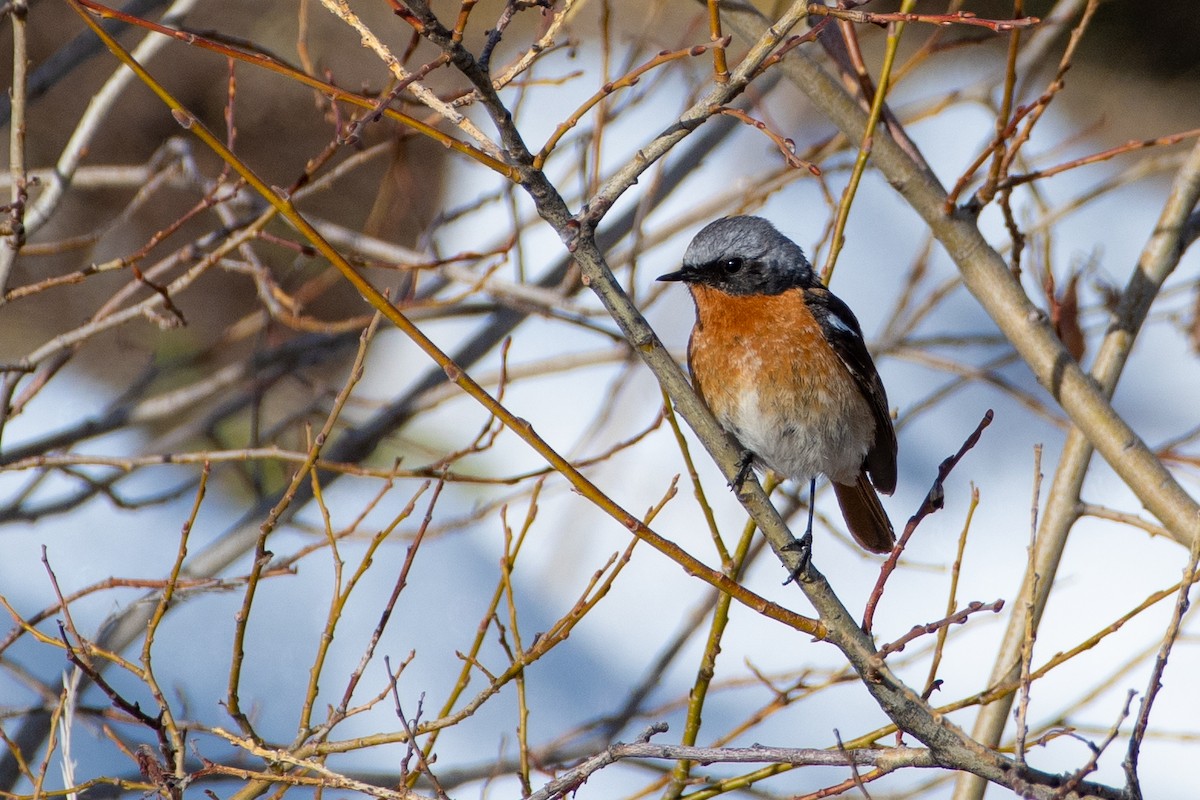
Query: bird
[{"x": 781, "y": 363}]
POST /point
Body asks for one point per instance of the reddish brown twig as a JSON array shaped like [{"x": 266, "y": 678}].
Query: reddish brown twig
[
  {"x": 786, "y": 146},
  {"x": 132, "y": 708},
  {"x": 933, "y": 501},
  {"x": 957, "y": 618},
  {"x": 351, "y": 134},
  {"x": 625, "y": 81},
  {"x": 1030, "y": 113},
  {"x": 1103, "y": 155},
  {"x": 994, "y": 146},
  {"x": 811, "y": 35}
]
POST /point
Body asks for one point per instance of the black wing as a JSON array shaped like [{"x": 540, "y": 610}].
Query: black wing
[{"x": 842, "y": 331}]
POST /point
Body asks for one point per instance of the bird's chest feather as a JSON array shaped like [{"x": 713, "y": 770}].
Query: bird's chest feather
[{"x": 762, "y": 365}]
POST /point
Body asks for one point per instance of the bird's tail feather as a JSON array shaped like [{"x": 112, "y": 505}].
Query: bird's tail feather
[{"x": 865, "y": 517}]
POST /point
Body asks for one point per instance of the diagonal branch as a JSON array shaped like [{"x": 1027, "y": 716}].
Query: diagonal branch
[
  {"x": 987, "y": 277},
  {"x": 1159, "y": 258}
]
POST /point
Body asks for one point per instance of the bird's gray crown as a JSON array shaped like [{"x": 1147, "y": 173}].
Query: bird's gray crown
[{"x": 745, "y": 255}]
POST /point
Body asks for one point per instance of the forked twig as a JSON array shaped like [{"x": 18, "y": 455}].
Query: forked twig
[{"x": 934, "y": 500}]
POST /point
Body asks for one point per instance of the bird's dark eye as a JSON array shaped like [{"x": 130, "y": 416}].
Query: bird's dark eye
[{"x": 732, "y": 265}]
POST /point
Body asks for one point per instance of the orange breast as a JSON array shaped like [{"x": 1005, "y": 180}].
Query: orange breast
[{"x": 766, "y": 372}]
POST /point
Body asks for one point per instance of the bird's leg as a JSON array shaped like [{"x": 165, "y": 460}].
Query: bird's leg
[
  {"x": 745, "y": 465},
  {"x": 812, "y": 498},
  {"x": 803, "y": 545}
]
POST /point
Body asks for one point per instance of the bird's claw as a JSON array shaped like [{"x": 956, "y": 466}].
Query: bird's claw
[
  {"x": 803, "y": 549},
  {"x": 745, "y": 466}
]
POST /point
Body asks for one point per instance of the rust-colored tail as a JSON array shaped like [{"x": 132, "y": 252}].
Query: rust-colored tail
[{"x": 865, "y": 517}]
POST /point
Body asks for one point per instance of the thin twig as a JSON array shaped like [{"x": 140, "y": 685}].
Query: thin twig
[
  {"x": 1031, "y": 630},
  {"x": 786, "y": 146},
  {"x": 878, "y": 101},
  {"x": 625, "y": 81},
  {"x": 886, "y": 757},
  {"x": 931, "y": 680},
  {"x": 1182, "y": 603},
  {"x": 957, "y": 18},
  {"x": 935, "y": 498},
  {"x": 957, "y": 618},
  {"x": 342, "y": 10},
  {"x": 1131, "y": 146}
]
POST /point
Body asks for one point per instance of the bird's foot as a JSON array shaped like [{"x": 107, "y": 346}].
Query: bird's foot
[
  {"x": 802, "y": 547},
  {"x": 745, "y": 466}
]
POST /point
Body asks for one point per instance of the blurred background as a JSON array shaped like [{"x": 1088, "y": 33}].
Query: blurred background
[{"x": 157, "y": 316}]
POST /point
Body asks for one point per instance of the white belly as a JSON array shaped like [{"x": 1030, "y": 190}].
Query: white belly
[{"x": 803, "y": 445}]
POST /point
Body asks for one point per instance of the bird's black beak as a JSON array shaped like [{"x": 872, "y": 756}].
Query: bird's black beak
[{"x": 678, "y": 275}]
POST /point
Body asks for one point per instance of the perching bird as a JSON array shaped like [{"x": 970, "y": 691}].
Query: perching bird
[{"x": 781, "y": 363}]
